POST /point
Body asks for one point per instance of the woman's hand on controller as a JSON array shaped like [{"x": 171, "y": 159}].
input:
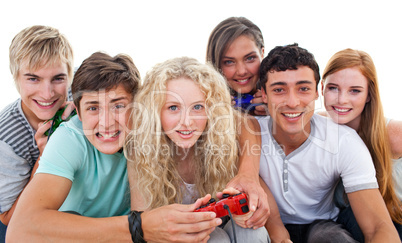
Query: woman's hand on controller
[{"x": 179, "y": 223}]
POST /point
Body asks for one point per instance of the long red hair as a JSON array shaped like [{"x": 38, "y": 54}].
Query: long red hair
[{"x": 372, "y": 128}]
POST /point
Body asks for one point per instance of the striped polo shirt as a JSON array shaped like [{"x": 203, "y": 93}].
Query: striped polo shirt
[{"x": 18, "y": 133}]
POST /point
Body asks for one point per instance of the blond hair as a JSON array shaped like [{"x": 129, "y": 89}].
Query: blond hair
[
  {"x": 150, "y": 152},
  {"x": 372, "y": 128},
  {"x": 40, "y": 46}
]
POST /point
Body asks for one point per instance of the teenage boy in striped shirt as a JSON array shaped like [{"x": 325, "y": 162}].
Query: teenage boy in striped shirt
[{"x": 41, "y": 62}]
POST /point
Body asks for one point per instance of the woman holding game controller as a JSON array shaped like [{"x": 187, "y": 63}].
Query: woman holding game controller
[
  {"x": 352, "y": 98},
  {"x": 184, "y": 142},
  {"x": 236, "y": 48}
]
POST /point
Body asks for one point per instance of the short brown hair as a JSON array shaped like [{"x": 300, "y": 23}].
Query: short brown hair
[
  {"x": 103, "y": 72},
  {"x": 289, "y": 57}
]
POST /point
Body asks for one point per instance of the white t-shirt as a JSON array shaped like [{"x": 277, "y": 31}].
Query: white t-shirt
[{"x": 304, "y": 181}]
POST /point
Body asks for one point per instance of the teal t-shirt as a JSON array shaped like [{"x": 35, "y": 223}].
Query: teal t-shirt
[{"x": 99, "y": 181}]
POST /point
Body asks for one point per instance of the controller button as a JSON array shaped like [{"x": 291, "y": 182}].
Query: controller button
[
  {"x": 212, "y": 200},
  {"x": 245, "y": 209},
  {"x": 225, "y": 195},
  {"x": 242, "y": 201}
]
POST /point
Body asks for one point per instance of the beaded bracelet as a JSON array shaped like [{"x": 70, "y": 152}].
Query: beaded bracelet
[{"x": 134, "y": 224}]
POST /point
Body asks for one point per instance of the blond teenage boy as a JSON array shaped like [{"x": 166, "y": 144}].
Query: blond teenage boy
[{"x": 41, "y": 62}]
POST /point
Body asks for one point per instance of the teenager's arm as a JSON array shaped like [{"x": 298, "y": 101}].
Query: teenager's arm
[
  {"x": 15, "y": 175},
  {"x": 172, "y": 223},
  {"x": 395, "y": 138},
  {"x": 37, "y": 219},
  {"x": 372, "y": 216},
  {"x": 247, "y": 179},
  {"x": 250, "y": 148},
  {"x": 6, "y": 216},
  {"x": 276, "y": 230},
  {"x": 41, "y": 141}
]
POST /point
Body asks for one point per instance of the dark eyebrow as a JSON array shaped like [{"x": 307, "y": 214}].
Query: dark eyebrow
[
  {"x": 297, "y": 83},
  {"x": 248, "y": 54},
  {"x": 118, "y": 99},
  {"x": 251, "y": 53},
  {"x": 304, "y": 82},
  {"x": 96, "y": 102},
  {"x": 278, "y": 83},
  {"x": 92, "y": 102}
]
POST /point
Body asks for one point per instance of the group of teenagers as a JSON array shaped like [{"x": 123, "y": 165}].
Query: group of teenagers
[{"x": 141, "y": 156}]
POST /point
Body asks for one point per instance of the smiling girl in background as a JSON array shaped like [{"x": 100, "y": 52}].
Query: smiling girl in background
[
  {"x": 236, "y": 48},
  {"x": 351, "y": 97}
]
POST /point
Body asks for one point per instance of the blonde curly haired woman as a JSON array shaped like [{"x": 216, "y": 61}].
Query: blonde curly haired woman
[{"x": 184, "y": 142}]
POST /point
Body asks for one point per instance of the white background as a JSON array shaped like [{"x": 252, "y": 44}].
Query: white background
[{"x": 153, "y": 31}]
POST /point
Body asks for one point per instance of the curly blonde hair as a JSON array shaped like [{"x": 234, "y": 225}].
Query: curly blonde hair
[{"x": 150, "y": 153}]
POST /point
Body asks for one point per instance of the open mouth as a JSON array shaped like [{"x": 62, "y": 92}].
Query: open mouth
[
  {"x": 243, "y": 81},
  {"x": 108, "y": 135},
  {"x": 292, "y": 115},
  {"x": 185, "y": 132},
  {"x": 341, "y": 110},
  {"x": 46, "y": 104}
]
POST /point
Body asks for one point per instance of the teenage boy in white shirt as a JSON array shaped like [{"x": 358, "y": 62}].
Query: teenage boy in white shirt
[{"x": 304, "y": 156}]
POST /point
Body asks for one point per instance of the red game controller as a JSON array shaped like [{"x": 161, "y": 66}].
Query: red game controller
[{"x": 238, "y": 204}]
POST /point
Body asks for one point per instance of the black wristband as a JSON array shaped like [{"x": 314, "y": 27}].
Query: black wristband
[{"x": 134, "y": 224}]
